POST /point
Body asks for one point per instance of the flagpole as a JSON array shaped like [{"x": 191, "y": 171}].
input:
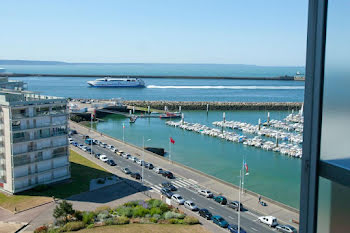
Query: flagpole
[
  {"x": 239, "y": 201},
  {"x": 123, "y": 132},
  {"x": 169, "y": 151},
  {"x": 91, "y": 132},
  {"x": 243, "y": 174}
]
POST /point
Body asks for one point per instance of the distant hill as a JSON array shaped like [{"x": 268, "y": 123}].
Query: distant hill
[{"x": 29, "y": 62}]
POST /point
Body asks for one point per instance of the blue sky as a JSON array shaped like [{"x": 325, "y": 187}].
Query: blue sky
[{"x": 261, "y": 32}]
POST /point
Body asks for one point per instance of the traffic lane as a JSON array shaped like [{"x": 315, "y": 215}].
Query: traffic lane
[
  {"x": 123, "y": 162},
  {"x": 156, "y": 179},
  {"x": 248, "y": 222}
]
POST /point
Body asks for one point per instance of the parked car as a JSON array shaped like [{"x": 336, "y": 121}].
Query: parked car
[
  {"x": 168, "y": 174},
  {"x": 86, "y": 136},
  {"x": 149, "y": 166},
  {"x": 88, "y": 141},
  {"x": 220, "y": 199},
  {"x": 178, "y": 199},
  {"x": 141, "y": 162},
  {"x": 75, "y": 144},
  {"x": 84, "y": 148},
  {"x": 70, "y": 140},
  {"x": 111, "y": 162},
  {"x": 205, "y": 214},
  {"x": 126, "y": 170},
  {"x": 158, "y": 170},
  {"x": 136, "y": 175},
  {"x": 234, "y": 229},
  {"x": 235, "y": 205},
  {"x": 72, "y": 131},
  {"x": 120, "y": 153},
  {"x": 286, "y": 229},
  {"x": 103, "y": 158},
  {"x": 190, "y": 205},
  {"x": 205, "y": 193},
  {"x": 80, "y": 146},
  {"x": 109, "y": 146},
  {"x": 167, "y": 192},
  {"x": 220, "y": 221},
  {"x": 268, "y": 220},
  {"x": 97, "y": 155},
  {"x": 114, "y": 150},
  {"x": 169, "y": 186}
]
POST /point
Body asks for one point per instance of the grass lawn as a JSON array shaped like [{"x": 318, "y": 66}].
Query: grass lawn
[
  {"x": 148, "y": 228},
  {"x": 82, "y": 171}
]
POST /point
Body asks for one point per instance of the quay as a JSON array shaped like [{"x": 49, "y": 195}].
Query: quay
[
  {"x": 284, "y": 213},
  {"x": 286, "y": 77}
]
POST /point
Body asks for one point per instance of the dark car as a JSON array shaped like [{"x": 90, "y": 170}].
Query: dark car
[
  {"x": 75, "y": 144},
  {"x": 220, "y": 221},
  {"x": 286, "y": 229},
  {"x": 168, "y": 174},
  {"x": 126, "y": 170},
  {"x": 234, "y": 229},
  {"x": 205, "y": 214},
  {"x": 149, "y": 166},
  {"x": 136, "y": 175},
  {"x": 72, "y": 131},
  {"x": 169, "y": 186},
  {"x": 111, "y": 162},
  {"x": 167, "y": 192},
  {"x": 97, "y": 155},
  {"x": 235, "y": 205},
  {"x": 220, "y": 199}
]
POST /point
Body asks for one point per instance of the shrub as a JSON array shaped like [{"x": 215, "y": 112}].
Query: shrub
[
  {"x": 173, "y": 221},
  {"x": 122, "y": 220},
  {"x": 153, "y": 220},
  {"x": 157, "y": 216},
  {"x": 153, "y": 203},
  {"x": 88, "y": 217},
  {"x": 110, "y": 221},
  {"x": 124, "y": 211},
  {"x": 90, "y": 226},
  {"x": 164, "y": 207},
  {"x": 63, "y": 210},
  {"x": 155, "y": 210},
  {"x": 132, "y": 204},
  {"x": 78, "y": 215},
  {"x": 54, "y": 230},
  {"x": 101, "y": 209},
  {"x": 73, "y": 226},
  {"x": 139, "y": 211},
  {"x": 42, "y": 229},
  {"x": 170, "y": 214},
  {"x": 102, "y": 216},
  {"x": 190, "y": 220}
]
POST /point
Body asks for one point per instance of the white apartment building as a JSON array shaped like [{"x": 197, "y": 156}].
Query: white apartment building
[{"x": 33, "y": 140}]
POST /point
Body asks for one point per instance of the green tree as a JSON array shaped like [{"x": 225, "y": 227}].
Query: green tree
[{"x": 63, "y": 210}]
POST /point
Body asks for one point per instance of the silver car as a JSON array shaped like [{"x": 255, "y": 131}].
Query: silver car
[{"x": 190, "y": 205}]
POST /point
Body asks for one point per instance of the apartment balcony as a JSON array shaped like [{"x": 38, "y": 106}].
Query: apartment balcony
[
  {"x": 42, "y": 126},
  {"x": 35, "y": 138},
  {"x": 22, "y": 162},
  {"x": 38, "y": 114},
  {"x": 2, "y": 179},
  {"x": 42, "y": 172},
  {"x": 35, "y": 149}
]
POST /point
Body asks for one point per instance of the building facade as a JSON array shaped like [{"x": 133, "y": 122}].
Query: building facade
[{"x": 33, "y": 140}]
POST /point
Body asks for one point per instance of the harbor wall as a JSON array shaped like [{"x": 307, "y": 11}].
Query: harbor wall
[{"x": 194, "y": 105}]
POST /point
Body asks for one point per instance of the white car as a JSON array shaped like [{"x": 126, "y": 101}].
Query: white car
[
  {"x": 206, "y": 193},
  {"x": 178, "y": 199},
  {"x": 140, "y": 162},
  {"x": 190, "y": 205},
  {"x": 70, "y": 140},
  {"x": 268, "y": 220},
  {"x": 84, "y": 148},
  {"x": 114, "y": 150},
  {"x": 158, "y": 170},
  {"x": 109, "y": 146},
  {"x": 103, "y": 158}
]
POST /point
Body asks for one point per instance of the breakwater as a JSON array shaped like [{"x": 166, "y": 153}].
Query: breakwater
[
  {"x": 194, "y": 105},
  {"x": 286, "y": 77}
]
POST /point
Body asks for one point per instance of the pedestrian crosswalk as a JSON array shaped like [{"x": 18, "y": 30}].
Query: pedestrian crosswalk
[{"x": 178, "y": 182}]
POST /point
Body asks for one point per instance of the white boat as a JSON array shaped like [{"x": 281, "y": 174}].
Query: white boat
[{"x": 117, "y": 82}]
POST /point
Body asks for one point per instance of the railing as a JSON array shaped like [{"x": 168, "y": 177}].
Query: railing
[
  {"x": 19, "y": 115},
  {"x": 19, "y": 128}
]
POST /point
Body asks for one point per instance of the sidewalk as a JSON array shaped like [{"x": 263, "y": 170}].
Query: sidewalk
[{"x": 250, "y": 201}]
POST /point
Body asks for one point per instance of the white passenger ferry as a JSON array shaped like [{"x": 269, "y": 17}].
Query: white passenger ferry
[{"x": 117, "y": 82}]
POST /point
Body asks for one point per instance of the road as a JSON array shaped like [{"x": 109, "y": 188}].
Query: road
[{"x": 187, "y": 188}]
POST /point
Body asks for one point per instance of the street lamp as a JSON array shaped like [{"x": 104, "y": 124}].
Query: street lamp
[{"x": 143, "y": 156}]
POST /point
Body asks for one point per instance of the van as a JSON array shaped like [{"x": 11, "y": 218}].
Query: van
[{"x": 268, "y": 220}]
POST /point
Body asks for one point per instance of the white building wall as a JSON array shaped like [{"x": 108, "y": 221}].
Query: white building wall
[{"x": 60, "y": 141}]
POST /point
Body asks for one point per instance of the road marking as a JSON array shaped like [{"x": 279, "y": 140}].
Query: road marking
[
  {"x": 254, "y": 229},
  {"x": 195, "y": 182},
  {"x": 211, "y": 207},
  {"x": 193, "y": 199},
  {"x": 254, "y": 215},
  {"x": 231, "y": 217}
]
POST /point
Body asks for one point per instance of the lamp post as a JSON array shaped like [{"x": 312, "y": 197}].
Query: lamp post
[{"x": 143, "y": 156}]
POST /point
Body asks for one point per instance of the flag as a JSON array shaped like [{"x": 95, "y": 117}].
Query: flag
[
  {"x": 246, "y": 168},
  {"x": 172, "y": 140},
  {"x": 123, "y": 126}
]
